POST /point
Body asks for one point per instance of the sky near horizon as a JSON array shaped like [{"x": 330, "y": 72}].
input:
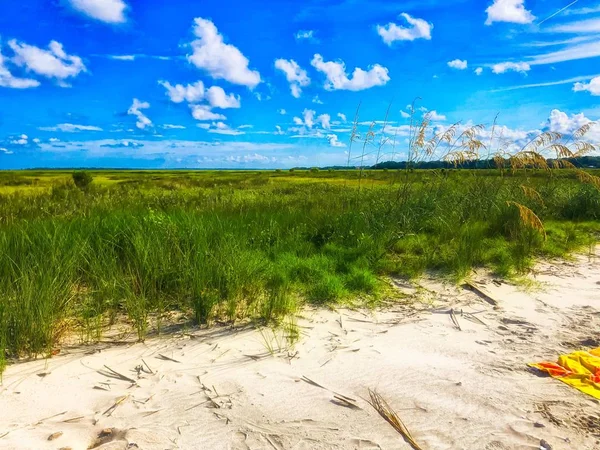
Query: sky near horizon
[{"x": 267, "y": 84}]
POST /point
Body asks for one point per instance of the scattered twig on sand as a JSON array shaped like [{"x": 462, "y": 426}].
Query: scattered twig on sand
[
  {"x": 112, "y": 409},
  {"x": 146, "y": 364},
  {"x": 73, "y": 420},
  {"x": 212, "y": 361},
  {"x": 51, "y": 417},
  {"x": 473, "y": 318},
  {"x": 385, "y": 411},
  {"x": 166, "y": 358},
  {"x": 481, "y": 293},
  {"x": 115, "y": 374},
  {"x": 337, "y": 395},
  {"x": 454, "y": 319}
]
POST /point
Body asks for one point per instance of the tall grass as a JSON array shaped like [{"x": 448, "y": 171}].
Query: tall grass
[{"x": 236, "y": 245}]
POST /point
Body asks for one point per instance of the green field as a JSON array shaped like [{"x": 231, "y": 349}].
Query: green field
[{"x": 234, "y": 245}]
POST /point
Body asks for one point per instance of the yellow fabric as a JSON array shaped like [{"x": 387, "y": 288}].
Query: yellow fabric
[{"x": 580, "y": 369}]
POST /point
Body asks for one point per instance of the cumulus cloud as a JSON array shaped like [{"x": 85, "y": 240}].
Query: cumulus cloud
[
  {"x": 71, "y": 128},
  {"x": 479, "y": 71},
  {"x": 404, "y": 114},
  {"x": 53, "y": 63},
  {"x": 294, "y": 74},
  {"x": 435, "y": 116},
  {"x": 168, "y": 126},
  {"x": 512, "y": 11},
  {"x": 136, "y": 110},
  {"x": 179, "y": 93},
  {"x": 418, "y": 29},
  {"x": 458, "y": 64},
  {"x": 217, "y": 98},
  {"x": 109, "y": 11},
  {"x": 203, "y": 112},
  {"x": 282, "y": 111},
  {"x": 8, "y": 80},
  {"x": 317, "y": 100},
  {"x": 218, "y": 59},
  {"x": 342, "y": 117},
  {"x": 334, "y": 142},
  {"x": 521, "y": 67},
  {"x": 325, "y": 121},
  {"x": 593, "y": 87},
  {"x": 337, "y": 78},
  {"x": 561, "y": 122},
  {"x": 5, "y": 151}
]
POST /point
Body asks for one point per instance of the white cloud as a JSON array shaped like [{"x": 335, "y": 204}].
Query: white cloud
[
  {"x": 593, "y": 87},
  {"x": 9, "y": 81},
  {"x": 325, "y": 120},
  {"x": 512, "y": 11},
  {"x": 220, "y": 60},
  {"x": 168, "y": 126},
  {"x": 561, "y": 122},
  {"x": 109, "y": 11},
  {"x": 404, "y": 114},
  {"x": 123, "y": 57},
  {"x": 282, "y": 111},
  {"x": 54, "y": 140},
  {"x": 435, "y": 116},
  {"x": 317, "y": 100},
  {"x": 570, "y": 53},
  {"x": 343, "y": 117},
  {"x": 279, "y": 130},
  {"x": 217, "y": 98},
  {"x": 334, "y": 142},
  {"x": 190, "y": 93},
  {"x": 419, "y": 29},
  {"x": 337, "y": 79},
  {"x": 458, "y": 64},
  {"x": 295, "y": 75},
  {"x": 578, "y": 27},
  {"x": 71, "y": 128},
  {"x": 479, "y": 71},
  {"x": 521, "y": 67},
  {"x": 136, "y": 110},
  {"x": 52, "y": 63},
  {"x": 20, "y": 140},
  {"x": 223, "y": 128},
  {"x": 36, "y": 140},
  {"x": 203, "y": 112},
  {"x": 305, "y": 34},
  {"x": 5, "y": 151}
]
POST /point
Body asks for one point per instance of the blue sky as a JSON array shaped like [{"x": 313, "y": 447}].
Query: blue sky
[{"x": 231, "y": 83}]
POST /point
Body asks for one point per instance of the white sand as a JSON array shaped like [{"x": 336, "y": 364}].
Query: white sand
[{"x": 454, "y": 389}]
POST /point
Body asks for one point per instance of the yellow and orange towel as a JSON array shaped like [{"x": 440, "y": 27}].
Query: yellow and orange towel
[{"x": 580, "y": 369}]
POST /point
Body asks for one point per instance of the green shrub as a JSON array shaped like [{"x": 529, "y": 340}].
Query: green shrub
[{"x": 82, "y": 179}]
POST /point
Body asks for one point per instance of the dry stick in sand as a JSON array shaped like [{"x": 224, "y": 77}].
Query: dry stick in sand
[
  {"x": 480, "y": 293},
  {"x": 119, "y": 375},
  {"x": 337, "y": 395},
  {"x": 146, "y": 364},
  {"x": 167, "y": 358},
  {"x": 454, "y": 319},
  {"x": 385, "y": 411},
  {"x": 111, "y": 410}
]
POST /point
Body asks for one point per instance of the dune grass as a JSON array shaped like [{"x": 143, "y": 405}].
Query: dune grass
[{"x": 257, "y": 245}]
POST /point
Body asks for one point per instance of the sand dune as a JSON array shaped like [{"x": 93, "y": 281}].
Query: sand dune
[{"x": 462, "y": 385}]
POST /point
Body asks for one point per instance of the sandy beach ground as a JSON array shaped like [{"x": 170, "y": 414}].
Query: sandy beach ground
[{"x": 462, "y": 385}]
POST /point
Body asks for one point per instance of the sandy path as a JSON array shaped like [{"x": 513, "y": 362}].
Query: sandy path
[{"x": 454, "y": 389}]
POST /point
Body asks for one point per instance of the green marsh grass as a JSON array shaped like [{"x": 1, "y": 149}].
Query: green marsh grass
[{"x": 237, "y": 245}]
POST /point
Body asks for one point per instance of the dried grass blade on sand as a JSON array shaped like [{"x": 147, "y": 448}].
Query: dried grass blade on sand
[{"x": 385, "y": 411}]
